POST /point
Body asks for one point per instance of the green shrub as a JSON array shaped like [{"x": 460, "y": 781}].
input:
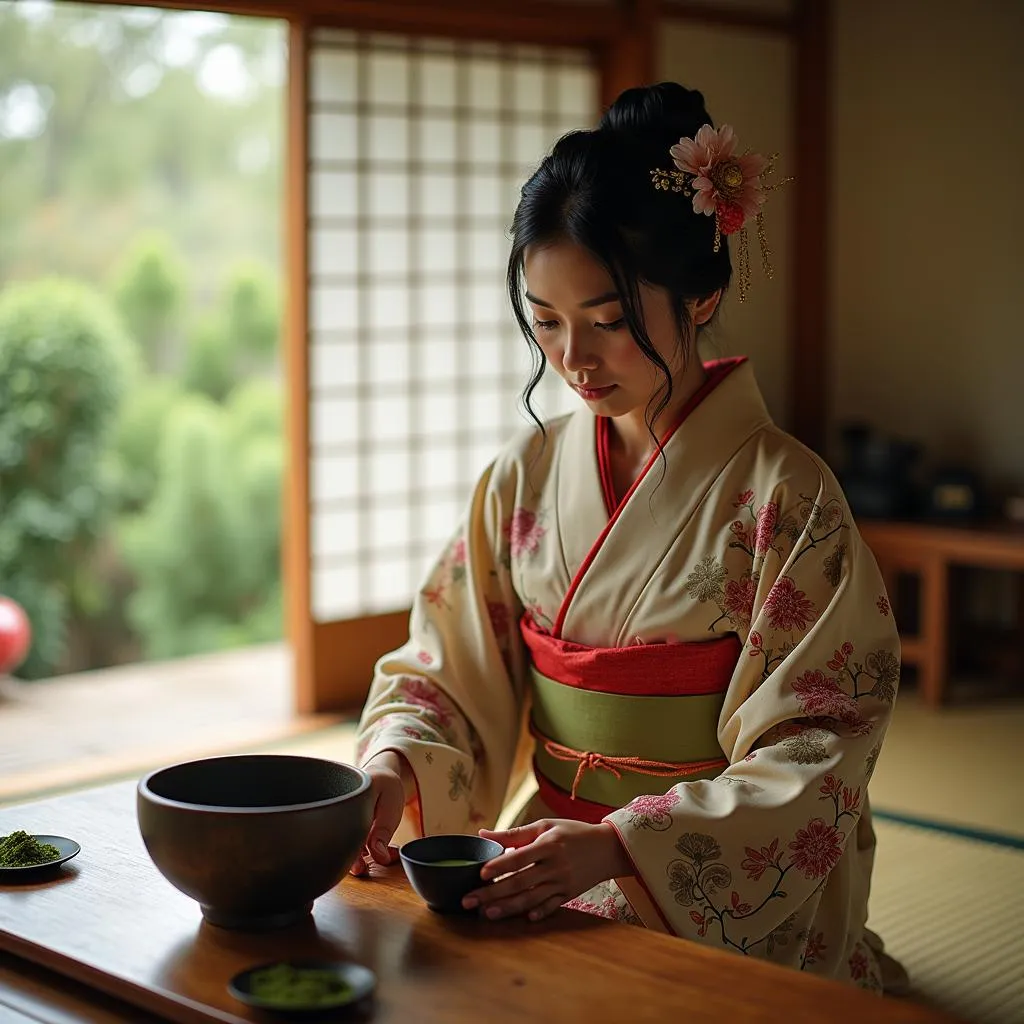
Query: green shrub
[
  {"x": 238, "y": 338},
  {"x": 65, "y": 364},
  {"x": 149, "y": 289},
  {"x": 254, "y": 432},
  {"x": 137, "y": 436},
  {"x": 252, "y": 307},
  {"x": 255, "y": 409},
  {"x": 206, "y": 551},
  {"x": 210, "y": 365}
]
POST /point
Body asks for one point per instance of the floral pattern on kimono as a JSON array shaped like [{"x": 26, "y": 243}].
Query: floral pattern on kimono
[
  {"x": 605, "y": 900},
  {"x": 448, "y": 574},
  {"x": 722, "y": 870},
  {"x": 414, "y": 708},
  {"x": 769, "y": 859}
]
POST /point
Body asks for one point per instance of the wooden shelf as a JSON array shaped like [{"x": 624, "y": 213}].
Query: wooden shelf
[
  {"x": 913, "y": 650},
  {"x": 929, "y": 551}
]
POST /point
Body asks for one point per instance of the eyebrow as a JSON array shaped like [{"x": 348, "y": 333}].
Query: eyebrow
[{"x": 598, "y": 300}]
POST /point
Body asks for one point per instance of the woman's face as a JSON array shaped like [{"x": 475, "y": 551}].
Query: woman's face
[{"x": 579, "y": 325}]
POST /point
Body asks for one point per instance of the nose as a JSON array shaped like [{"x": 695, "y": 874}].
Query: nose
[{"x": 578, "y": 355}]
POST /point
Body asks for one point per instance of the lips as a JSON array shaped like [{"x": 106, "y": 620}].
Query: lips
[{"x": 591, "y": 393}]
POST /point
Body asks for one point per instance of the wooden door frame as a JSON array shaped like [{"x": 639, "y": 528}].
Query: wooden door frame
[
  {"x": 333, "y": 661},
  {"x": 809, "y": 297}
]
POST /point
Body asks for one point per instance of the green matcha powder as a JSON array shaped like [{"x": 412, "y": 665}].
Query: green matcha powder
[
  {"x": 288, "y": 986},
  {"x": 20, "y": 850}
]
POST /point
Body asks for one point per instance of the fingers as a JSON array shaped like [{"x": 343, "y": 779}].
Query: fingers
[
  {"x": 549, "y": 906},
  {"x": 359, "y": 866},
  {"x": 378, "y": 847},
  {"x": 386, "y": 858},
  {"x": 525, "y": 902},
  {"x": 387, "y": 816},
  {"x": 509, "y": 887},
  {"x": 522, "y": 835},
  {"x": 514, "y": 860}
]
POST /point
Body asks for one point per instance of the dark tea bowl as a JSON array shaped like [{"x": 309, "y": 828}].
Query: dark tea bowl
[
  {"x": 255, "y": 838},
  {"x": 442, "y": 885}
]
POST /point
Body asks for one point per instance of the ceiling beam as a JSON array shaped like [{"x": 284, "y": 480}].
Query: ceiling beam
[
  {"x": 526, "y": 21},
  {"x": 728, "y": 17}
]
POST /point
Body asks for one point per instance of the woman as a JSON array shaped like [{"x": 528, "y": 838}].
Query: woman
[{"x": 671, "y": 586}]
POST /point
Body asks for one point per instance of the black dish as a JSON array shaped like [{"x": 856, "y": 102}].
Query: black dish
[
  {"x": 67, "y": 848},
  {"x": 360, "y": 981}
]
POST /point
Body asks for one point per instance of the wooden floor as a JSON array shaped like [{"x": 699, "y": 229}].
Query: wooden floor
[{"x": 77, "y": 730}]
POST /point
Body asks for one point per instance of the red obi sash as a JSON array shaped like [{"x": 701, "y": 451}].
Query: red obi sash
[{"x": 581, "y": 702}]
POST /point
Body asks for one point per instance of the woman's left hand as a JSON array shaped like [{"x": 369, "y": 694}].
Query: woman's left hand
[{"x": 552, "y": 862}]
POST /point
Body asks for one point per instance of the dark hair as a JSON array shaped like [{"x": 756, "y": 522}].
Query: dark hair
[{"x": 594, "y": 189}]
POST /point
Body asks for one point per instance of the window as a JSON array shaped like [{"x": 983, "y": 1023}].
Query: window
[{"x": 418, "y": 148}]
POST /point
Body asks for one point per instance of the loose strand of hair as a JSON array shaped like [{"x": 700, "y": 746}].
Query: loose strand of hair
[{"x": 515, "y": 294}]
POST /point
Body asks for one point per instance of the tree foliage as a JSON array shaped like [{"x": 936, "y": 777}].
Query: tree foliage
[
  {"x": 206, "y": 550},
  {"x": 253, "y": 309},
  {"x": 140, "y": 427},
  {"x": 149, "y": 289},
  {"x": 211, "y": 358},
  {"x": 140, "y": 461},
  {"x": 65, "y": 365},
  {"x": 110, "y": 122}
]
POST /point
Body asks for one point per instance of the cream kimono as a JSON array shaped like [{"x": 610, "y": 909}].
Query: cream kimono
[{"x": 746, "y": 816}]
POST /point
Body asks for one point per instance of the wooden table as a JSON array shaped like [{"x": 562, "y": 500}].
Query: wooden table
[
  {"x": 928, "y": 552},
  {"x": 111, "y": 923}
]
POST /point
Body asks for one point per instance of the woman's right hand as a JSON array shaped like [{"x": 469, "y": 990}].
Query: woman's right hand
[{"x": 387, "y": 771}]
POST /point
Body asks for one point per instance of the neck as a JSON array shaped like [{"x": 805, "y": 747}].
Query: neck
[{"x": 631, "y": 431}]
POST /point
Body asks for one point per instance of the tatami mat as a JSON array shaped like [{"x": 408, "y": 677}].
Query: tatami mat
[
  {"x": 954, "y": 764},
  {"x": 950, "y": 910}
]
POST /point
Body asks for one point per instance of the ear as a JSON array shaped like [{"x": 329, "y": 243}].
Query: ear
[{"x": 704, "y": 309}]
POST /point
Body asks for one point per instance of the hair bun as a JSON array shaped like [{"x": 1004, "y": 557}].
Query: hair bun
[{"x": 657, "y": 114}]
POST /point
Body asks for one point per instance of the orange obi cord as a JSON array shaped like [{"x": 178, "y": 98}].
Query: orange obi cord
[{"x": 591, "y": 761}]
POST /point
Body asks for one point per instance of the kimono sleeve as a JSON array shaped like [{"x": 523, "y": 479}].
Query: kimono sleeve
[
  {"x": 449, "y": 701},
  {"x": 737, "y": 860}
]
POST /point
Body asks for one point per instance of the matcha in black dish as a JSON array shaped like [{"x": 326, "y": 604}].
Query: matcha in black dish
[
  {"x": 23, "y": 855},
  {"x": 303, "y": 986}
]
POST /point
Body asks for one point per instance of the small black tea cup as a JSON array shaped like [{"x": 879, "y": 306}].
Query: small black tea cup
[{"x": 444, "y": 869}]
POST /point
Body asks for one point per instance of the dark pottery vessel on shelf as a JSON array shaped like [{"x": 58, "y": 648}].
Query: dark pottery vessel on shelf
[{"x": 877, "y": 474}]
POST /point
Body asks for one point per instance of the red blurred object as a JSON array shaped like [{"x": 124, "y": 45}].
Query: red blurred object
[{"x": 15, "y": 635}]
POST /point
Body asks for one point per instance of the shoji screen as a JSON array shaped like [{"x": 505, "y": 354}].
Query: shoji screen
[{"x": 418, "y": 148}]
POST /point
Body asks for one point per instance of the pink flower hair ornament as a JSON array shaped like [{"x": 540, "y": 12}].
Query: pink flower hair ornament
[{"x": 724, "y": 185}]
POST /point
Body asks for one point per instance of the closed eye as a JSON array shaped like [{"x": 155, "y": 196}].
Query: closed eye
[{"x": 551, "y": 325}]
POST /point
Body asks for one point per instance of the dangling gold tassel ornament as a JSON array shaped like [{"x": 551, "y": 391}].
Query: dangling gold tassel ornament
[
  {"x": 730, "y": 188},
  {"x": 744, "y": 265}
]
